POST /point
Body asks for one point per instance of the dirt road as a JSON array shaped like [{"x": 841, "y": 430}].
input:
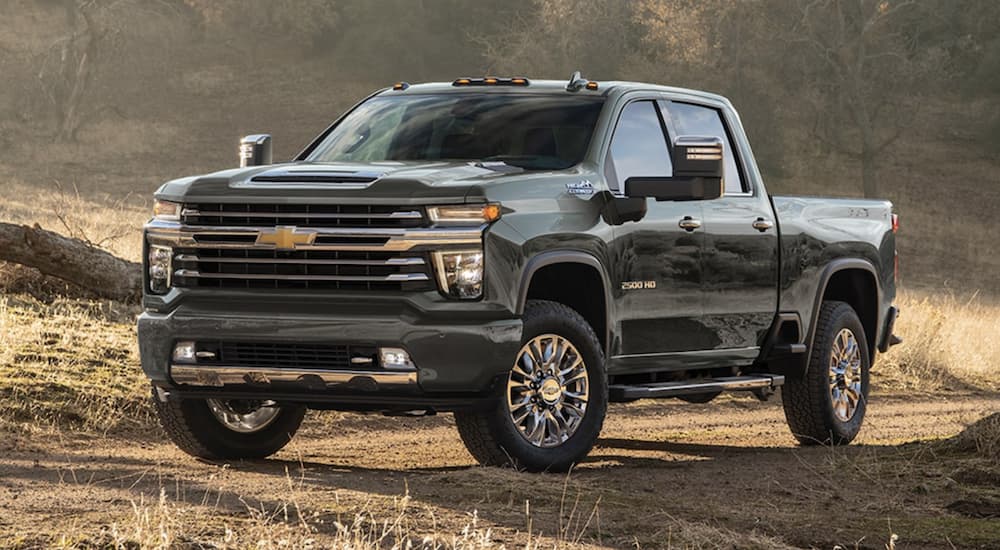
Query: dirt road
[{"x": 660, "y": 468}]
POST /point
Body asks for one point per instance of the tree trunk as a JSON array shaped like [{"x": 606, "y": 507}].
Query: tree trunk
[
  {"x": 869, "y": 174},
  {"x": 71, "y": 260}
]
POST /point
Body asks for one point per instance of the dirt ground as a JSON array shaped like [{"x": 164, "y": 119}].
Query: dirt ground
[{"x": 659, "y": 468}]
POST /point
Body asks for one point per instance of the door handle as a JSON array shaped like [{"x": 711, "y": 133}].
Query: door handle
[
  {"x": 762, "y": 225},
  {"x": 689, "y": 224}
]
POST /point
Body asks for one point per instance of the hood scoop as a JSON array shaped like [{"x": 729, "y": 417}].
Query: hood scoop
[{"x": 317, "y": 175}]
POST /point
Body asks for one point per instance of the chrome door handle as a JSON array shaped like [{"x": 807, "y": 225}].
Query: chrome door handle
[
  {"x": 689, "y": 224},
  {"x": 762, "y": 225}
]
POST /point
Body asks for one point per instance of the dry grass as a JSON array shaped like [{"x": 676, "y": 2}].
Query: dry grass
[
  {"x": 981, "y": 438},
  {"x": 948, "y": 342},
  {"x": 70, "y": 364},
  {"x": 111, "y": 221},
  {"x": 380, "y": 523}
]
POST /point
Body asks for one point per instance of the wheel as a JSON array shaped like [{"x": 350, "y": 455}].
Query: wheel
[
  {"x": 549, "y": 414},
  {"x": 827, "y": 405},
  {"x": 228, "y": 429}
]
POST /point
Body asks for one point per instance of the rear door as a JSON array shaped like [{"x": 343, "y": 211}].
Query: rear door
[
  {"x": 656, "y": 266},
  {"x": 740, "y": 255}
]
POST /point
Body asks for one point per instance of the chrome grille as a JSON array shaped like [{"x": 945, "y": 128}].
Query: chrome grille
[
  {"x": 301, "y": 269},
  {"x": 298, "y": 246},
  {"x": 301, "y": 215}
]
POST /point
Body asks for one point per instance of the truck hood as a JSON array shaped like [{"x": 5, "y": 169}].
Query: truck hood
[{"x": 360, "y": 183}]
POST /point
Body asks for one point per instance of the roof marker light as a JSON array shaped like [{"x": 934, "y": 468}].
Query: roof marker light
[{"x": 400, "y": 86}]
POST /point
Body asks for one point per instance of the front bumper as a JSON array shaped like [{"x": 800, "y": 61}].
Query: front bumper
[{"x": 457, "y": 359}]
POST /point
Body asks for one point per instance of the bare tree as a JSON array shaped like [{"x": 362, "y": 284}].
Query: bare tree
[
  {"x": 70, "y": 68},
  {"x": 860, "y": 67}
]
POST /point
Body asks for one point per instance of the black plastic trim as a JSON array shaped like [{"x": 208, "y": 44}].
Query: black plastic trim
[
  {"x": 832, "y": 268},
  {"x": 553, "y": 257}
]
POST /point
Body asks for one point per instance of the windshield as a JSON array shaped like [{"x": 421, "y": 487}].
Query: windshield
[{"x": 535, "y": 132}]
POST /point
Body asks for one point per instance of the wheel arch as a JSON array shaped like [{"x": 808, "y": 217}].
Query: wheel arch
[
  {"x": 545, "y": 277},
  {"x": 854, "y": 281}
]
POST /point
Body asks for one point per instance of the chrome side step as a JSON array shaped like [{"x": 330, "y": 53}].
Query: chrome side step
[{"x": 752, "y": 382}]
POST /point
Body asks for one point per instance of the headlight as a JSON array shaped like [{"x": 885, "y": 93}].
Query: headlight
[
  {"x": 166, "y": 210},
  {"x": 160, "y": 260},
  {"x": 460, "y": 274},
  {"x": 466, "y": 214}
]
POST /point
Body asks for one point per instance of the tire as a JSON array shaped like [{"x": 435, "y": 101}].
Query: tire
[
  {"x": 491, "y": 435},
  {"x": 809, "y": 401},
  {"x": 195, "y": 429}
]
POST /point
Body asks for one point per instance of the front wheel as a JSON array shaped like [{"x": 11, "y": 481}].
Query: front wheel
[
  {"x": 827, "y": 405},
  {"x": 228, "y": 429},
  {"x": 551, "y": 409}
]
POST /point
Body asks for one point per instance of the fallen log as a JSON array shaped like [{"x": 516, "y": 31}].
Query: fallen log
[{"x": 71, "y": 260}]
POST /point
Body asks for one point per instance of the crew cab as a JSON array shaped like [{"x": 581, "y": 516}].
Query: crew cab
[{"x": 519, "y": 253}]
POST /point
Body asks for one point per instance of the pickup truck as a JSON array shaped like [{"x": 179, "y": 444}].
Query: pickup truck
[{"x": 518, "y": 253}]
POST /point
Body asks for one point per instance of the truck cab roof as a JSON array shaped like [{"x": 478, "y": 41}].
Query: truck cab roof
[{"x": 556, "y": 87}]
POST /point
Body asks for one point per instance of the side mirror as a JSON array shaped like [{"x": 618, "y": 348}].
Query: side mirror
[
  {"x": 697, "y": 164},
  {"x": 255, "y": 150}
]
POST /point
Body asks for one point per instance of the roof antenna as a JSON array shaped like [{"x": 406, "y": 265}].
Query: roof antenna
[{"x": 576, "y": 81}]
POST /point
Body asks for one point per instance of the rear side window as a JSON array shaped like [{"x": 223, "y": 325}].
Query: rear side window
[
  {"x": 695, "y": 120},
  {"x": 639, "y": 148}
]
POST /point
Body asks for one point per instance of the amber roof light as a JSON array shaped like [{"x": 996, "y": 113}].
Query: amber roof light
[{"x": 492, "y": 81}]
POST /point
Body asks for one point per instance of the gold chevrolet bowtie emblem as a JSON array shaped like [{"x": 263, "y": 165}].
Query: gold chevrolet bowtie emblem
[{"x": 286, "y": 237}]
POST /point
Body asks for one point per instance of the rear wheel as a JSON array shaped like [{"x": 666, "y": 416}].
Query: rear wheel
[
  {"x": 551, "y": 410},
  {"x": 827, "y": 405},
  {"x": 228, "y": 429}
]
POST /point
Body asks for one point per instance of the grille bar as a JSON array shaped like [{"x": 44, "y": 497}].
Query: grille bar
[
  {"x": 398, "y": 215},
  {"x": 391, "y": 262},
  {"x": 305, "y": 215},
  {"x": 391, "y": 278}
]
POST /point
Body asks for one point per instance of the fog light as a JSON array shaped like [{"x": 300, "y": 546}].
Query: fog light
[
  {"x": 460, "y": 274},
  {"x": 160, "y": 260},
  {"x": 185, "y": 352},
  {"x": 395, "y": 358}
]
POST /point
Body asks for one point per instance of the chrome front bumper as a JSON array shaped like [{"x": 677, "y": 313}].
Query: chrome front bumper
[{"x": 254, "y": 378}]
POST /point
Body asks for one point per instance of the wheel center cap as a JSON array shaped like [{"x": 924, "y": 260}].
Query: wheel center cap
[{"x": 550, "y": 391}]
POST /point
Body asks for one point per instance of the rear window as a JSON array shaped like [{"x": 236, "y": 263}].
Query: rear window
[{"x": 535, "y": 132}]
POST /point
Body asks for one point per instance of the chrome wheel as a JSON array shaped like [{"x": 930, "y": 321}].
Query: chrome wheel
[
  {"x": 547, "y": 390},
  {"x": 845, "y": 375},
  {"x": 245, "y": 417}
]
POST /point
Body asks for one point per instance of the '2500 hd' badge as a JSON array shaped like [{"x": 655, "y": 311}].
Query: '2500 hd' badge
[{"x": 638, "y": 285}]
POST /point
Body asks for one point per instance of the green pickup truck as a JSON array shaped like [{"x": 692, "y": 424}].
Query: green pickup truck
[{"x": 519, "y": 253}]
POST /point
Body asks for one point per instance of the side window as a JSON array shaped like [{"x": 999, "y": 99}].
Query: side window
[
  {"x": 695, "y": 120},
  {"x": 638, "y": 147}
]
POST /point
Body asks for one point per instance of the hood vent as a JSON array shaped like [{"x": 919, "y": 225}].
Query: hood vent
[{"x": 317, "y": 176}]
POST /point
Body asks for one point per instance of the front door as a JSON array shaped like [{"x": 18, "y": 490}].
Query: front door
[{"x": 656, "y": 264}]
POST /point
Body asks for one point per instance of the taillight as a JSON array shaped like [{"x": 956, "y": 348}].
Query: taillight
[{"x": 895, "y": 223}]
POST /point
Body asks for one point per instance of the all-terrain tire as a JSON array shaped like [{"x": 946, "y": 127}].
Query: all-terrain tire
[
  {"x": 490, "y": 434},
  {"x": 195, "y": 430},
  {"x": 808, "y": 403}
]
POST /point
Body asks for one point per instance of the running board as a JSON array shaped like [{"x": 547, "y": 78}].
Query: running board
[{"x": 622, "y": 392}]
